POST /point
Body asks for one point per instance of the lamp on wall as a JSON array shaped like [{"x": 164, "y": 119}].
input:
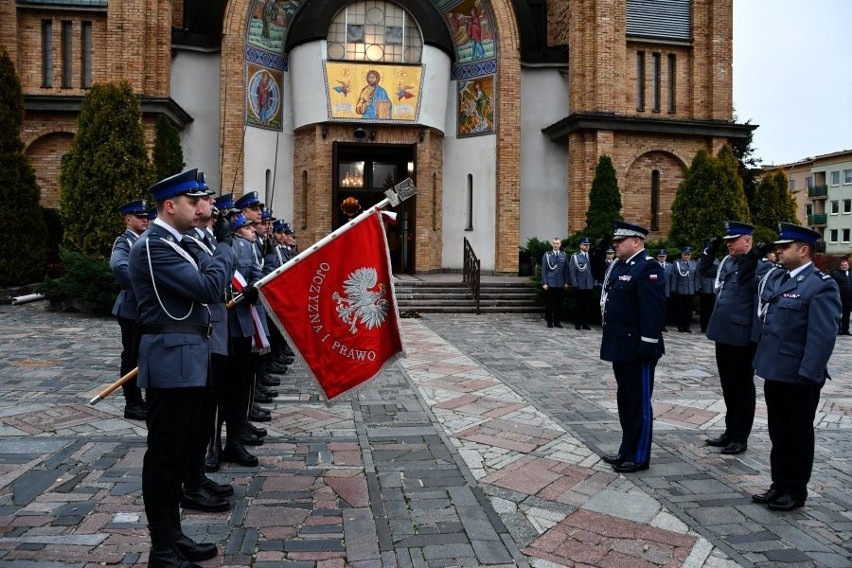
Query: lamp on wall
[
  {"x": 372, "y": 135},
  {"x": 359, "y": 133}
]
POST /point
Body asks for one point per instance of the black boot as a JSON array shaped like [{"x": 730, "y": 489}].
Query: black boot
[
  {"x": 276, "y": 369},
  {"x": 214, "y": 450},
  {"x": 262, "y": 398},
  {"x": 268, "y": 380},
  {"x": 248, "y": 438},
  {"x": 259, "y": 432},
  {"x": 259, "y": 414},
  {"x": 164, "y": 553},
  {"x": 136, "y": 410},
  {"x": 198, "y": 499},
  {"x": 190, "y": 549},
  {"x": 236, "y": 453},
  {"x": 266, "y": 391}
]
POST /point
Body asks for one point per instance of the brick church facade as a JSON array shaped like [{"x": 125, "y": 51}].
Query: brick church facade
[{"x": 498, "y": 109}]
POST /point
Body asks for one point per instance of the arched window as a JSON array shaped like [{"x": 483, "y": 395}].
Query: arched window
[
  {"x": 374, "y": 31},
  {"x": 655, "y": 200}
]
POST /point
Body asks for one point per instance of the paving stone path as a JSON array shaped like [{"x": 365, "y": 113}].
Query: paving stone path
[{"x": 479, "y": 449}]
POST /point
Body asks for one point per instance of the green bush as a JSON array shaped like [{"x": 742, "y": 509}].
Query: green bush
[
  {"x": 87, "y": 285},
  {"x": 22, "y": 230},
  {"x": 106, "y": 167}
]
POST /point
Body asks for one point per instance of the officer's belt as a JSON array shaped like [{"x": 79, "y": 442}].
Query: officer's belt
[{"x": 177, "y": 327}]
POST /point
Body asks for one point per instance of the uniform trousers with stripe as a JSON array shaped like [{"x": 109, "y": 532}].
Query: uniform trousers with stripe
[{"x": 635, "y": 385}]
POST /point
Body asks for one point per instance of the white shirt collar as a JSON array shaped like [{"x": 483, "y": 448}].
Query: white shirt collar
[
  {"x": 178, "y": 237},
  {"x": 794, "y": 273}
]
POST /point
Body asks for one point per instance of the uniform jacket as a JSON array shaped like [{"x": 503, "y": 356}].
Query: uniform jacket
[
  {"x": 580, "y": 272},
  {"x": 735, "y": 313},
  {"x": 248, "y": 264},
  {"x": 125, "y": 303},
  {"x": 667, "y": 273},
  {"x": 634, "y": 304},
  {"x": 799, "y": 326},
  {"x": 844, "y": 284},
  {"x": 708, "y": 277},
  {"x": 178, "y": 288},
  {"x": 557, "y": 276},
  {"x": 203, "y": 252},
  {"x": 684, "y": 278}
]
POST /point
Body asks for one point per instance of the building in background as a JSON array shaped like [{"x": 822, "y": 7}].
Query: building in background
[
  {"x": 822, "y": 187},
  {"x": 497, "y": 109}
]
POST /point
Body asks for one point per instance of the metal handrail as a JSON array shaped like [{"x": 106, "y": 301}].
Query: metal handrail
[{"x": 471, "y": 272}]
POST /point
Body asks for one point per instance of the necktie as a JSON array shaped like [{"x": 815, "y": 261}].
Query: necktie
[{"x": 785, "y": 278}]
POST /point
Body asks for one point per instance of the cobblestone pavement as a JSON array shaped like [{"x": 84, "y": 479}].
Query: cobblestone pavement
[{"x": 479, "y": 449}]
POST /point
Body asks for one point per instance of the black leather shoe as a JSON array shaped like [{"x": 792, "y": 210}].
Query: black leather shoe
[
  {"x": 217, "y": 490},
  {"x": 268, "y": 380},
  {"x": 199, "y": 500},
  {"x": 261, "y": 398},
  {"x": 767, "y": 497},
  {"x": 259, "y": 414},
  {"x": 613, "y": 459},
  {"x": 212, "y": 463},
  {"x": 249, "y": 439},
  {"x": 786, "y": 502},
  {"x": 266, "y": 391},
  {"x": 276, "y": 368},
  {"x": 169, "y": 558},
  {"x": 237, "y": 453},
  {"x": 719, "y": 442},
  {"x": 287, "y": 351},
  {"x": 735, "y": 448},
  {"x": 138, "y": 411},
  {"x": 192, "y": 550},
  {"x": 629, "y": 467},
  {"x": 259, "y": 432}
]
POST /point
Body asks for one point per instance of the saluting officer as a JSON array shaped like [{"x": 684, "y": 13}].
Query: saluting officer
[
  {"x": 731, "y": 327},
  {"x": 633, "y": 305},
  {"x": 135, "y": 216},
  {"x": 800, "y": 309},
  {"x": 554, "y": 280},
  {"x": 200, "y": 492},
  {"x": 172, "y": 290},
  {"x": 582, "y": 282},
  {"x": 684, "y": 284}
]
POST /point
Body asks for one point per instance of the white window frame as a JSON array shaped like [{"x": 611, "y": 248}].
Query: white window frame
[
  {"x": 834, "y": 207},
  {"x": 844, "y": 235},
  {"x": 810, "y": 182},
  {"x": 847, "y": 176},
  {"x": 832, "y": 235},
  {"x": 847, "y": 206},
  {"x": 834, "y": 178}
]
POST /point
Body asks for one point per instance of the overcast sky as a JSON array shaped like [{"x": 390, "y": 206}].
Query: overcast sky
[{"x": 793, "y": 76}]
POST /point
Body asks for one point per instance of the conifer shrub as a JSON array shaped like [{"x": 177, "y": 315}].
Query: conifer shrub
[
  {"x": 168, "y": 154},
  {"x": 87, "y": 285}
]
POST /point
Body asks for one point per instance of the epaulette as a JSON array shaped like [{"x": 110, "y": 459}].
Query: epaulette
[
  {"x": 822, "y": 274},
  {"x": 649, "y": 258}
]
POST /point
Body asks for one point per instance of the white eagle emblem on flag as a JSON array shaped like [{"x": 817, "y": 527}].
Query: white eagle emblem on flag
[{"x": 362, "y": 304}]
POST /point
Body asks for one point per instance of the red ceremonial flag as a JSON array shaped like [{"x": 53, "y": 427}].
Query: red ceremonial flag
[
  {"x": 337, "y": 305},
  {"x": 259, "y": 339}
]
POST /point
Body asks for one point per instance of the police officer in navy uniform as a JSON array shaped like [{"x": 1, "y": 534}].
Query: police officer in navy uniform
[
  {"x": 582, "y": 283},
  {"x": 731, "y": 327},
  {"x": 554, "y": 280},
  {"x": 172, "y": 290},
  {"x": 843, "y": 277},
  {"x": 683, "y": 284},
  {"x": 135, "y": 216},
  {"x": 800, "y": 310},
  {"x": 633, "y": 305},
  {"x": 200, "y": 492}
]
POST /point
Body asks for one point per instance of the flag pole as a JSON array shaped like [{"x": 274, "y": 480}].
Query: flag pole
[{"x": 397, "y": 194}]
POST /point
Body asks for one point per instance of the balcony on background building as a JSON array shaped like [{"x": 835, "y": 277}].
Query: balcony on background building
[
  {"x": 818, "y": 220},
  {"x": 818, "y": 192}
]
